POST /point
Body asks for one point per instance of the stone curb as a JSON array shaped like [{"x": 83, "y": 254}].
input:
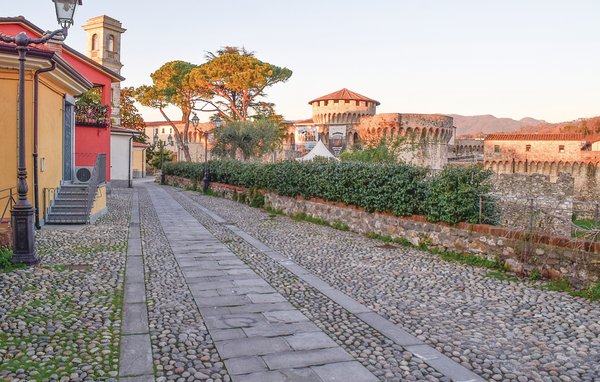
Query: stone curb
[{"x": 136, "y": 351}]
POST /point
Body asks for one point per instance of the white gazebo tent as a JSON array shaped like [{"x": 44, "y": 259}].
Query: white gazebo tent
[{"x": 319, "y": 151}]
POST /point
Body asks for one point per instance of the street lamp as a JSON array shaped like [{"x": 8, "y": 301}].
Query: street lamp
[
  {"x": 205, "y": 180},
  {"x": 161, "y": 145},
  {"x": 22, "y": 211}
]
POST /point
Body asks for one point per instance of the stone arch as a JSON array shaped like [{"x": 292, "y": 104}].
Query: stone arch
[{"x": 560, "y": 167}]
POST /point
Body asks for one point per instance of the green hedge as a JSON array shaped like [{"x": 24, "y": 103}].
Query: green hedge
[{"x": 449, "y": 196}]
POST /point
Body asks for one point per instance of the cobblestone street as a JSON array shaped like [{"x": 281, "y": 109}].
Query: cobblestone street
[{"x": 172, "y": 285}]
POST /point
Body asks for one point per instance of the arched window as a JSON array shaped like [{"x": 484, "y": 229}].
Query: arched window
[
  {"x": 111, "y": 43},
  {"x": 94, "y": 41}
]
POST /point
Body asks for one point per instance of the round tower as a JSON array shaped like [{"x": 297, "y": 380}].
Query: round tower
[{"x": 342, "y": 107}]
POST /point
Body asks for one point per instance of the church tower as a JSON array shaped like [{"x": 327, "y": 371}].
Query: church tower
[{"x": 104, "y": 47}]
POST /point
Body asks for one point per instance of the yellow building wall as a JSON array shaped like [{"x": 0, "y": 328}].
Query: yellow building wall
[
  {"x": 8, "y": 130},
  {"x": 50, "y": 142},
  {"x": 100, "y": 201},
  {"x": 139, "y": 160},
  {"x": 50, "y": 133}
]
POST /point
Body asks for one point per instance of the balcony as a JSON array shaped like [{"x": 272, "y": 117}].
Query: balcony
[{"x": 92, "y": 116}]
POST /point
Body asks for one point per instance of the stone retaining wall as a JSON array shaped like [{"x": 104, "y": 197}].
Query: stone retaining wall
[
  {"x": 534, "y": 203},
  {"x": 576, "y": 260}
]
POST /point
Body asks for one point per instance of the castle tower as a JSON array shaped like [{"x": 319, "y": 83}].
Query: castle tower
[
  {"x": 104, "y": 47},
  {"x": 342, "y": 107}
]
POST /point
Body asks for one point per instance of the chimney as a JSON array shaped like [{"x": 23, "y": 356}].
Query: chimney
[{"x": 55, "y": 46}]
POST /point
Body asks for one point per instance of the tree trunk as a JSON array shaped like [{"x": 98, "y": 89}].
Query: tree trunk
[{"x": 178, "y": 138}]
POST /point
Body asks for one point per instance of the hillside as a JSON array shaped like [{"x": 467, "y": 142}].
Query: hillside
[
  {"x": 480, "y": 125},
  {"x": 584, "y": 126}
]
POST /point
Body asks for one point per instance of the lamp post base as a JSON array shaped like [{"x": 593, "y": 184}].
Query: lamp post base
[
  {"x": 205, "y": 184},
  {"x": 23, "y": 236},
  {"x": 162, "y": 178}
]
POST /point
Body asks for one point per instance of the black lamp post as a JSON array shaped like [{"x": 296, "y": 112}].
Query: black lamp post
[
  {"x": 195, "y": 122},
  {"x": 161, "y": 146},
  {"x": 22, "y": 211},
  {"x": 205, "y": 180}
]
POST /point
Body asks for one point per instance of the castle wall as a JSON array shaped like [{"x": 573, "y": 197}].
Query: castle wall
[{"x": 546, "y": 158}]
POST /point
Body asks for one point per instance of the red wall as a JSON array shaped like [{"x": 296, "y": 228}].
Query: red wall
[{"x": 89, "y": 141}]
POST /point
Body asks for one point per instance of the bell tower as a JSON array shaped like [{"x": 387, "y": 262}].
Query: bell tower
[{"x": 104, "y": 47}]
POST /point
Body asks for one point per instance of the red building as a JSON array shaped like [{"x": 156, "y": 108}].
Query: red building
[{"x": 92, "y": 123}]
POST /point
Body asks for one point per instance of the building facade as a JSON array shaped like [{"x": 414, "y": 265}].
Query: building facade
[
  {"x": 49, "y": 119},
  {"x": 344, "y": 118}
]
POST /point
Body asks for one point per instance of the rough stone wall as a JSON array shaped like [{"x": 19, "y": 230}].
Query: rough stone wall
[{"x": 533, "y": 203}]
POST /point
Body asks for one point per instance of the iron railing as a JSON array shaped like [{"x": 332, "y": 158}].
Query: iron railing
[
  {"x": 7, "y": 199},
  {"x": 92, "y": 116}
]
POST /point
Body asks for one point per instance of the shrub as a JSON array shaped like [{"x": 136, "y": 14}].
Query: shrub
[
  {"x": 400, "y": 189},
  {"x": 453, "y": 196}
]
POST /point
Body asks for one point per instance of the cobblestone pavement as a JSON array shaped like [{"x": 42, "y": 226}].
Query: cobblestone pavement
[
  {"x": 502, "y": 330},
  {"x": 60, "y": 320},
  {"x": 258, "y": 334},
  {"x": 381, "y": 356}
]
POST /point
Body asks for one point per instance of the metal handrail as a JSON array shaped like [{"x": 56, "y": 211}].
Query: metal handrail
[{"x": 10, "y": 201}]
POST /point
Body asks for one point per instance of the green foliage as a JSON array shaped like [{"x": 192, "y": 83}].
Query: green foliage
[
  {"x": 250, "y": 138},
  {"x": 6, "y": 264},
  {"x": 399, "y": 189},
  {"x": 453, "y": 196},
  {"x": 129, "y": 113},
  {"x": 153, "y": 156},
  {"x": 559, "y": 285},
  {"x": 535, "y": 275},
  {"x": 91, "y": 97},
  {"x": 382, "y": 151},
  {"x": 301, "y": 216},
  {"x": 502, "y": 276},
  {"x": 476, "y": 261},
  {"x": 233, "y": 81},
  {"x": 388, "y": 239},
  {"x": 339, "y": 225},
  {"x": 563, "y": 285}
]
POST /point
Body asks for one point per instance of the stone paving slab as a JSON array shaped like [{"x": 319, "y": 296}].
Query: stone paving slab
[{"x": 257, "y": 332}]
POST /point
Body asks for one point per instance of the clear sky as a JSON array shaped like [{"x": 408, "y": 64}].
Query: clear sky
[{"x": 509, "y": 58}]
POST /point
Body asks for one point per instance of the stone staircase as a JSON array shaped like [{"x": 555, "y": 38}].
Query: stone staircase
[{"x": 70, "y": 205}]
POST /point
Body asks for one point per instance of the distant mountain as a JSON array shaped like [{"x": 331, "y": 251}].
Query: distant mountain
[
  {"x": 586, "y": 126},
  {"x": 480, "y": 125}
]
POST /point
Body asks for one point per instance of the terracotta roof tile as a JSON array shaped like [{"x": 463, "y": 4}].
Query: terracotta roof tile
[
  {"x": 535, "y": 137},
  {"x": 344, "y": 94},
  {"x": 140, "y": 144}
]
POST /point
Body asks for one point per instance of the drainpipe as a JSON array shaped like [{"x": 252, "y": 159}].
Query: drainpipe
[
  {"x": 36, "y": 197},
  {"x": 129, "y": 167}
]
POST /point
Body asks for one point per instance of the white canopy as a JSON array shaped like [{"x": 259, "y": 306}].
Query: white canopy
[{"x": 320, "y": 150}]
